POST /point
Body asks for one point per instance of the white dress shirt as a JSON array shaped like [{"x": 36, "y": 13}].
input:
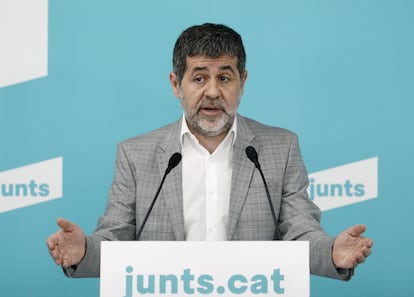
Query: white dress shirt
[{"x": 206, "y": 186}]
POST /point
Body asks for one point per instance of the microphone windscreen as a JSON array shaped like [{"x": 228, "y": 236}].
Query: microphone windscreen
[
  {"x": 174, "y": 160},
  {"x": 251, "y": 154}
]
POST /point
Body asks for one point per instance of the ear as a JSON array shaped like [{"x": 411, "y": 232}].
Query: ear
[
  {"x": 243, "y": 80},
  {"x": 175, "y": 85}
]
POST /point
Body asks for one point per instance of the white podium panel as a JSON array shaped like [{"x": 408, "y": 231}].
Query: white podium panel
[{"x": 220, "y": 268}]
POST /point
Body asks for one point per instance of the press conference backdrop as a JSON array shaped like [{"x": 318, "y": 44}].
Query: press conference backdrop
[{"x": 77, "y": 77}]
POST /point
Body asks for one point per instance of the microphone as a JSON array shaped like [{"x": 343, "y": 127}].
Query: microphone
[
  {"x": 172, "y": 163},
  {"x": 252, "y": 155}
]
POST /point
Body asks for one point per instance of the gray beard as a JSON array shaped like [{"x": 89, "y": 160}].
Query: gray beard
[
  {"x": 200, "y": 126},
  {"x": 206, "y": 127}
]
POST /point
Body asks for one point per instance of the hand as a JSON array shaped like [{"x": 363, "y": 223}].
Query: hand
[
  {"x": 350, "y": 248},
  {"x": 67, "y": 246}
]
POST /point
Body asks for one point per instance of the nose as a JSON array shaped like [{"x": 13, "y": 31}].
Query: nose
[{"x": 212, "y": 89}]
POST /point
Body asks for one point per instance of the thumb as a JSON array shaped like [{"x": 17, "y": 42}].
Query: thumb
[
  {"x": 356, "y": 230},
  {"x": 66, "y": 225}
]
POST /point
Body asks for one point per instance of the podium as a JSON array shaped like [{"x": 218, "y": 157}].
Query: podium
[{"x": 219, "y": 268}]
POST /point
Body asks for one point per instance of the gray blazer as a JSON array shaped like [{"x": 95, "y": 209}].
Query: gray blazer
[{"x": 140, "y": 165}]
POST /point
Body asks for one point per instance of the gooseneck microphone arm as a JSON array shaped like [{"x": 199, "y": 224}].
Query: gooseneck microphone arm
[
  {"x": 172, "y": 163},
  {"x": 252, "y": 155}
]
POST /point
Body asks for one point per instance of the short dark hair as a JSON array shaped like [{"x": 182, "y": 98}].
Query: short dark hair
[{"x": 211, "y": 40}]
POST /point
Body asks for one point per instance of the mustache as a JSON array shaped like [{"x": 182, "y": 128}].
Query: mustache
[{"x": 211, "y": 103}]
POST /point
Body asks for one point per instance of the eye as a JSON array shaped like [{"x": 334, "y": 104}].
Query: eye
[
  {"x": 198, "y": 79},
  {"x": 224, "y": 78}
]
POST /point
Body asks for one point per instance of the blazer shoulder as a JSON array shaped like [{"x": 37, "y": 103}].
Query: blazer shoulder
[
  {"x": 152, "y": 138},
  {"x": 264, "y": 131}
]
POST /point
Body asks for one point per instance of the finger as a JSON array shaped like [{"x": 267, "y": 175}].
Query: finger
[
  {"x": 57, "y": 257},
  {"x": 369, "y": 242},
  {"x": 367, "y": 253},
  {"x": 356, "y": 230},
  {"x": 352, "y": 263},
  {"x": 50, "y": 244},
  {"x": 361, "y": 258},
  {"x": 66, "y": 225},
  {"x": 58, "y": 261},
  {"x": 52, "y": 241},
  {"x": 367, "y": 250},
  {"x": 65, "y": 262}
]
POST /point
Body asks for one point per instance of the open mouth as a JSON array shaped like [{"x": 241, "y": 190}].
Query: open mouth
[{"x": 211, "y": 110}]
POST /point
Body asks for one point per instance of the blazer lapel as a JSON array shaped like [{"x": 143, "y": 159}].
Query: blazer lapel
[
  {"x": 242, "y": 173},
  {"x": 172, "y": 188}
]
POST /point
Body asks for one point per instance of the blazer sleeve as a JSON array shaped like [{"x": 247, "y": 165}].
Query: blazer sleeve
[
  {"x": 299, "y": 217},
  {"x": 118, "y": 222}
]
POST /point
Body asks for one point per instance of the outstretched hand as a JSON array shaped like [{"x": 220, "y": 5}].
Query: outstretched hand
[
  {"x": 67, "y": 246},
  {"x": 350, "y": 248}
]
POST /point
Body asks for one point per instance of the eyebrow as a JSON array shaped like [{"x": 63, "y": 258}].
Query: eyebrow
[{"x": 222, "y": 68}]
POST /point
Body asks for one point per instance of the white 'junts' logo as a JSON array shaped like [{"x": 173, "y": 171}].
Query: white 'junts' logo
[
  {"x": 344, "y": 185},
  {"x": 31, "y": 184}
]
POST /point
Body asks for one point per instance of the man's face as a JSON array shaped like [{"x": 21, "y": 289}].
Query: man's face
[{"x": 210, "y": 93}]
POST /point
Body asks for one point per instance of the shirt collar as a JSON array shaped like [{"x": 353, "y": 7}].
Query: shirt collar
[{"x": 186, "y": 131}]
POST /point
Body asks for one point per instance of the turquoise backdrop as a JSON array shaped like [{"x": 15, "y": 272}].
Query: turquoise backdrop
[{"x": 338, "y": 73}]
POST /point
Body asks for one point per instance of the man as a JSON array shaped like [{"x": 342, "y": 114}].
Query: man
[{"x": 215, "y": 193}]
